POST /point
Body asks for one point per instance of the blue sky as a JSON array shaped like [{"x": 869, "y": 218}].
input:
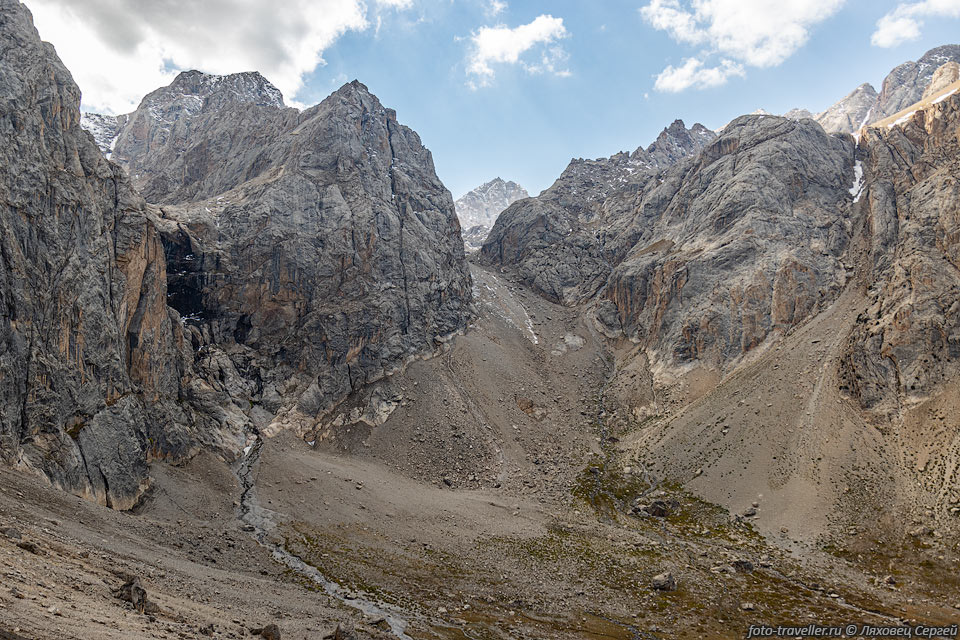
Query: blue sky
[{"x": 515, "y": 89}]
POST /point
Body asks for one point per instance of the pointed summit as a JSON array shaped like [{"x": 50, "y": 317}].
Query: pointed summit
[
  {"x": 197, "y": 86},
  {"x": 478, "y": 209}
]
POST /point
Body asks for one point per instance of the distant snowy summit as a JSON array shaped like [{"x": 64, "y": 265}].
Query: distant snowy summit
[
  {"x": 104, "y": 128},
  {"x": 478, "y": 209}
]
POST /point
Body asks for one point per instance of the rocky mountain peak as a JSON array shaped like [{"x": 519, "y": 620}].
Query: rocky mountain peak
[
  {"x": 798, "y": 114},
  {"x": 350, "y": 97},
  {"x": 852, "y": 112},
  {"x": 933, "y": 59},
  {"x": 676, "y": 141},
  {"x": 248, "y": 86},
  {"x": 479, "y": 208},
  {"x": 354, "y": 91}
]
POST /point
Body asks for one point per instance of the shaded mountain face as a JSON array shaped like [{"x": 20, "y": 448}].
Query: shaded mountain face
[
  {"x": 478, "y": 209},
  {"x": 296, "y": 257},
  {"x": 317, "y": 249},
  {"x": 91, "y": 358},
  {"x": 699, "y": 259}
]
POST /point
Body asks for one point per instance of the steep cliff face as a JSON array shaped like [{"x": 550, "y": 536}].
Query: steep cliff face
[
  {"x": 89, "y": 352},
  {"x": 556, "y": 240},
  {"x": 907, "y": 343},
  {"x": 310, "y": 253}
]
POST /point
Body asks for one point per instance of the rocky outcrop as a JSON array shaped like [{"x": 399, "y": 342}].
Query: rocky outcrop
[
  {"x": 555, "y": 241},
  {"x": 943, "y": 77},
  {"x": 851, "y": 113},
  {"x": 701, "y": 261},
  {"x": 907, "y": 344},
  {"x": 90, "y": 354}
]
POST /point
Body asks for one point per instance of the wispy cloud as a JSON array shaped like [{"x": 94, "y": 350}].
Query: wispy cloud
[
  {"x": 756, "y": 33},
  {"x": 905, "y": 21},
  {"x": 496, "y": 7},
  {"x": 533, "y": 46}
]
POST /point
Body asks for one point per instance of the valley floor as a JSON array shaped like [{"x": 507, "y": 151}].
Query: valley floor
[{"x": 494, "y": 503}]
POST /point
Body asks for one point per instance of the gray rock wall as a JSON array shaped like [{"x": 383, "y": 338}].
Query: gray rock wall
[
  {"x": 90, "y": 355},
  {"x": 907, "y": 344}
]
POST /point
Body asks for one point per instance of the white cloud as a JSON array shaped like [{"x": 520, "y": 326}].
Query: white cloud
[
  {"x": 503, "y": 45},
  {"x": 692, "y": 73},
  {"x": 118, "y": 51},
  {"x": 496, "y": 7},
  {"x": 757, "y": 33},
  {"x": 904, "y": 22}
]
